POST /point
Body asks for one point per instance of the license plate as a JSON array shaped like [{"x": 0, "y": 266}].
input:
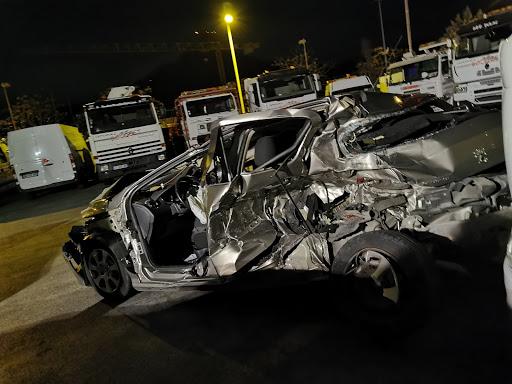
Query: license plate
[
  {"x": 26, "y": 175},
  {"x": 120, "y": 166}
]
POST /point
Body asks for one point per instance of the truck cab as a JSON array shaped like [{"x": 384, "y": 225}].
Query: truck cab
[
  {"x": 197, "y": 109},
  {"x": 428, "y": 72},
  {"x": 281, "y": 89},
  {"x": 124, "y": 133},
  {"x": 476, "y": 60},
  {"x": 348, "y": 84}
]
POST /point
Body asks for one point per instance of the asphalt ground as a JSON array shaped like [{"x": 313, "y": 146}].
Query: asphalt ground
[
  {"x": 16, "y": 205},
  {"x": 52, "y": 330}
]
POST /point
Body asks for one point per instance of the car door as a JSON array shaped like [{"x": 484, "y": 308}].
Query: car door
[{"x": 239, "y": 227}]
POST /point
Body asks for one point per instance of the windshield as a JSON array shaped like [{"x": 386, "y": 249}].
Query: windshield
[
  {"x": 477, "y": 45},
  {"x": 120, "y": 117},
  {"x": 415, "y": 71},
  {"x": 285, "y": 88},
  {"x": 211, "y": 105}
]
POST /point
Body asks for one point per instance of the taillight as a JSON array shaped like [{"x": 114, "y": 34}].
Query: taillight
[{"x": 45, "y": 161}]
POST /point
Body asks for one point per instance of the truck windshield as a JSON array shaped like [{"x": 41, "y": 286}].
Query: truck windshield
[
  {"x": 285, "y": 87},
  {"x": 119, "y": 117},
  {"x": 414, "y": 72},
  {"x": 476, "y": 45},
  {"x": 211, "y": 105}
]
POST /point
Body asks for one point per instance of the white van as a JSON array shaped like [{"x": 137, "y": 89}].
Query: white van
[{"x": 42, "y": 157}]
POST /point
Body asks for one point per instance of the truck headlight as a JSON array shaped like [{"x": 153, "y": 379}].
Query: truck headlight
[
  {"x": 461, "y": 89},
  {"x": 161, "y": 157},
  {"x": 103, "y": 168}
]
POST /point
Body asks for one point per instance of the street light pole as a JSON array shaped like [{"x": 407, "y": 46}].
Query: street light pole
[
  {"x": 303, "y": 43},
  {"x": 408, "y": 25},
  {"x": 5, "y": 86},
  {"x": 229, "y": 19},
  {"x": 383, "y": 35}
]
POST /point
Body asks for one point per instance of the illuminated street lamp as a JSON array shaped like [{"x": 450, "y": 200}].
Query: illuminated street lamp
[
  {"x": 229, "y": 19},
  {"x": 5, "y": 86}
]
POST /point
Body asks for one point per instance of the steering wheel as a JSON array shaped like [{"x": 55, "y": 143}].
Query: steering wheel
[{"x": 183, "y": 186}]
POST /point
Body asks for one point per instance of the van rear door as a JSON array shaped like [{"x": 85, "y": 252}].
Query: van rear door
[{"x": 41, "y": 157}]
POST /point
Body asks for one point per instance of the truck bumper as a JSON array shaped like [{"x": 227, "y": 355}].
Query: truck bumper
[{"x": 118, "y": 168}]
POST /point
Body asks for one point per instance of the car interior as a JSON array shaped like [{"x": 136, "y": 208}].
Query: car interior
[{"x": 163, "y": 207}]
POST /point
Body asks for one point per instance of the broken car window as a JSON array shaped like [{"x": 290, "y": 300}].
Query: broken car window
[
  {"x": 270, "y": 145},
  {"x": 214, "y": 167}
]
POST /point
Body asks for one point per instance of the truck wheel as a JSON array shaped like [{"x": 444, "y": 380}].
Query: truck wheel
[
  {"x": 107, "y": 276},
  {"x": 89, "y": 165},
  {"x": 391, "y": 278}
]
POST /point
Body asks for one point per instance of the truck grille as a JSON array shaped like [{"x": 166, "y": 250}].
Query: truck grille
[
  {"x": 495, "y": 89},
  {"x": 489, "y": 99},
  {"x": 129, "y": 151}
]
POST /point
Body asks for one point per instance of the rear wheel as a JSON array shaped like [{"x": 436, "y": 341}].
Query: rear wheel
[
  {"x": 107, "y": 276},
  {"x": 391, "y": 278}
]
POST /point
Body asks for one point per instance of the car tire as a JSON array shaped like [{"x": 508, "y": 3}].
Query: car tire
[
  {"x": 108, "y": 277},
  {"x": 390, "y": 278}
]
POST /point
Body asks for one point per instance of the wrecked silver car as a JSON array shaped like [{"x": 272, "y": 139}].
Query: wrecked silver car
[{"x": 357, "y": 187}]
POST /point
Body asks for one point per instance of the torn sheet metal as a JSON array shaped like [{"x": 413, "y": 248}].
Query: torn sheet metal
[
  {"x": 441, "y": 157},
  {"x": 312, "y": 254}
]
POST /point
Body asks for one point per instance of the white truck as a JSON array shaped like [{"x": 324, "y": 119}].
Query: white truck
[
  {"x": 428, "y": 72},
  {"x": 281, "y": 89},
  {"x": 124, "y": 133},
  {"x": 348, "y": 84},
  {"x": 476, "y": 62},
  {"x": 195, "y": 110}
]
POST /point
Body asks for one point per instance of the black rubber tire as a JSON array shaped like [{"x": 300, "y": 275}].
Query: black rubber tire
[
  {"x": 123, "y": 289},
  {"x": 415, "y": 277},
  {"x": 89, "y": 166}
]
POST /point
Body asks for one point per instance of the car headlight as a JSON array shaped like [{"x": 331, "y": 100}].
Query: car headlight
[{"x": 161, "y": 157}]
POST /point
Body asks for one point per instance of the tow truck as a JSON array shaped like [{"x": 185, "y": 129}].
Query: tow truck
[
  {"x": 428, "y": 72},
  {"x": 195, "y": 110},
  {"x": 281, "y": 89},
  {"x": 476, "y": 61},
  {"x": 124, "y": 133},
  {"x": 348, "y": 84}
]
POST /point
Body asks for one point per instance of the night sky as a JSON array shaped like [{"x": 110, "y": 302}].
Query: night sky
[{"x": 337, "y": 32}]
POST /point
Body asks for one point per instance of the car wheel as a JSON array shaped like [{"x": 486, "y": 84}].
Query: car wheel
[
  {"x": 391, "y": 278},
  {"x": 107, "y": 276}
]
